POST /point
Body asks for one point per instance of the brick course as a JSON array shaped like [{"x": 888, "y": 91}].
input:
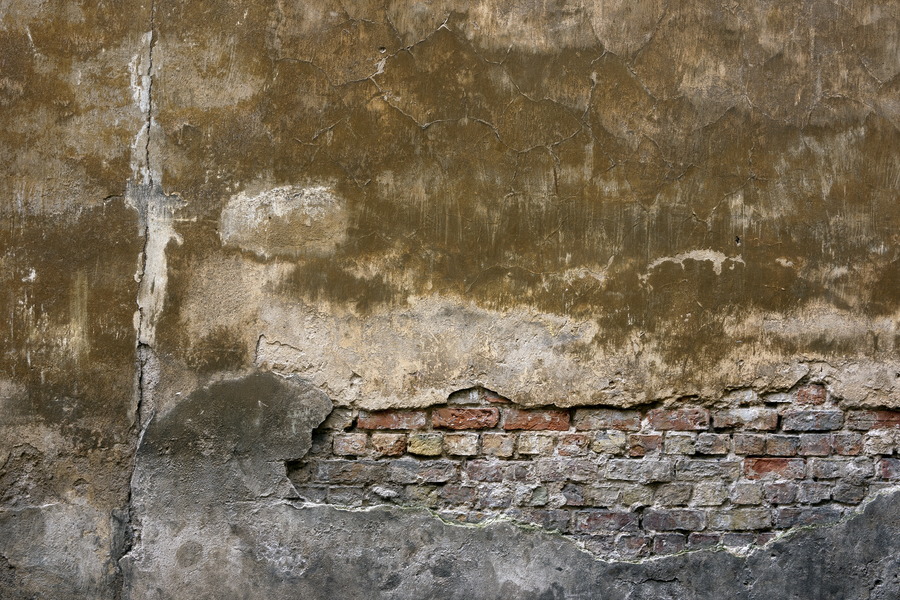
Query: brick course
[{"x": 628, "y": 482}]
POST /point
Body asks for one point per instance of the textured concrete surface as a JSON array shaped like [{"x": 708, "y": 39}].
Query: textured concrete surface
[{"x": 601, "y": 203}]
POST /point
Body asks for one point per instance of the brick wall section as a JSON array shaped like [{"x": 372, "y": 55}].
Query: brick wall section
[{"x": 627, "y": 483}]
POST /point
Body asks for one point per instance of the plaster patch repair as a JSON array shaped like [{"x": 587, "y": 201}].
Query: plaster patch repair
[{"x": 288, "y": 221}]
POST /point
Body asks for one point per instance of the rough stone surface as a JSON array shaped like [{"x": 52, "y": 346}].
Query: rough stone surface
[{"x": 220, "y": 220}]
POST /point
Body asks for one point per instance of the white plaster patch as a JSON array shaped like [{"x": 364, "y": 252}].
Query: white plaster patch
[
  {"x": 285, "y": 221},
  {"x": 717, "y": 259}
]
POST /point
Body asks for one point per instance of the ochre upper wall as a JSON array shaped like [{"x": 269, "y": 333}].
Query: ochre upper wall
[{"x": 569, "y": 203}]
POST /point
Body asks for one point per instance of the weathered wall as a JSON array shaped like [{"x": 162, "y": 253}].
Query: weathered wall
[{"x": 663, "y": 233}]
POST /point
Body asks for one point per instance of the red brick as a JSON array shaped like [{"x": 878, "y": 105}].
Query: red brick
[
  {"x": 815, "y": 444},
  {"x": 350, "y": 444},
  {"x": 778, "y": 468},
  {"x": 574, "y": 444},
  {"x": 848, "y": 444},
  {"x": 640, "y": 444},
  {"x": 392, "y": 419},
  {"x": 389, "y": 444},
  {"x": 863, "y": 420},
  {"x": 812, "y": 394},
  {"x": 587, "y": 419},
  {"x": 889, "y": 468},
  {"x": 465, "y": 418},
  {"x": 681, "y": 419},
  {"x": 674, "y": 519},
  {"x": 534, "y": 420}
]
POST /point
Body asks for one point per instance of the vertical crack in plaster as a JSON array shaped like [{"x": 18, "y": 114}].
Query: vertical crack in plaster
[{"x": 156, "y": 211}]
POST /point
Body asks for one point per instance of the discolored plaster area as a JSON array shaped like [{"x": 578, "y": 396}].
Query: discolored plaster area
[
  {"x": 697, "y": 201},
  {"x": 69, "y": 247},
  {"x": 232, "y": 230}
]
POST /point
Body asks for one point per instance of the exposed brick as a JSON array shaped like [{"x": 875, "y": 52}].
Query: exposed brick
[
  {"x": 610, "y": 442},
  {"x": 747, "y": 493},
  {"x": 604, "y": 521},
  {"x": 551, "y": 520},
  {"x": 700, "y": 541},
  {"x": 388, "y": 444},
  {"x": 713, "y": 443},
  {"x": 855, "y": 469},
  {"x": 408, "y": 471},
  {"x": 847, "y": 444},
  {"x": 758, "y": 419},
  {"x": 461, "y": 444},
  {"x": 889, "y": 468},
  {"x": 674, "y": 519},
  {"x": 425, "y": 444},
  {"x": 536, "y": 495},
  {"x": 421, "y": 495},
  {"x": 485, "y": 470},
  {"x": 807, "y": 515},
  {"x": 880, "y": 441},
  {"x": 565, "y": 469},
  {"x": 574, "y": 444},
  {"x": 669, "y": 543},
  {"x": 636, "y": 495},
  {"x": 679, "y": 443},
  {"x": 782, "y": 445},
  {"x": 392, "y": 419},
  {"x": 465, "y": 418},
  {"x": 535, "y": 443},
  {"x": 588, "y": 419},
  {"x": 456, "y": 494},
  {"x": 494, "y": 495},
  {"x": 749, "y": 444},
  {"x": 814, "y": 394},
  {"x": 633, "y": 546},
  {"x": 673, "y": 494},
  {"x": 780, "y": 493},
  {"x": 848, "y": 493},
  {"x": 864, "y": 420},
  {"x": 690, "y": 469},
  {"x": 535, "y": 420},
  {"x": 498, "y": 444},
  {"x": 349, "y": 471},
  {"x": 349, "y": 444},
  {"x": 740, "y": 519},
  {"x": 815, "y": 444},
  {"x": 641, "y": 444},
  {"x": 640, "y": 470},
  {"x": 339, "y": 419},
  {"x": 680, "y": 419},
  {"x": 709, "y": 493},
  {"x": 812, "y": 420},
  {"x": 605, "y": 496},
  {"x": 574, "y": 494},
  {"x": 774, "y": 468},
  {"x": 813, "y": 492}
]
